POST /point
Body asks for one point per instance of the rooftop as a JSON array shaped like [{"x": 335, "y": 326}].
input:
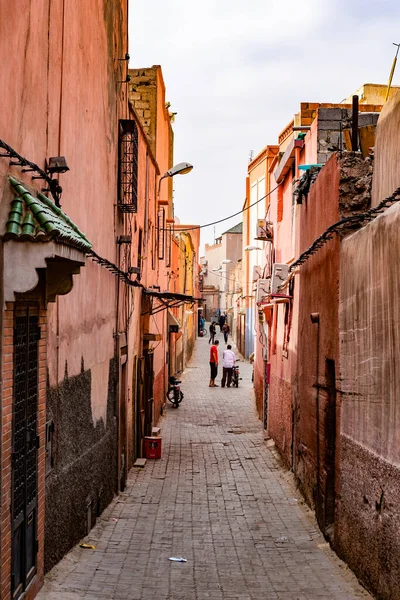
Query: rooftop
[{"x": 235, "y": 229}]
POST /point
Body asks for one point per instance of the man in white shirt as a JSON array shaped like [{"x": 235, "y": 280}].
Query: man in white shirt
[{"x": 228, "y": 361}]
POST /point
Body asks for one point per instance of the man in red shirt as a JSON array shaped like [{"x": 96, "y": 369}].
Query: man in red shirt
[{"x": 214, "y": 363}]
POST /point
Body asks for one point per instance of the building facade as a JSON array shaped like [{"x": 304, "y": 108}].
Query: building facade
[
  {"x": 218, "y": 263},
  {"x": 85, "y": 223},
  {"x": 329, "y": 304}
]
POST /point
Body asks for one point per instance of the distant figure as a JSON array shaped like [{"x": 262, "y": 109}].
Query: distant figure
[
  {"x": 213, "y": 331},
  {"x": 213, "y": 364},
  {"x": 228, "y": 362},
  {"x": 221, "y": 321},
  {"x": 226, "y": 331},
  {"x": 202, "y": 323}
]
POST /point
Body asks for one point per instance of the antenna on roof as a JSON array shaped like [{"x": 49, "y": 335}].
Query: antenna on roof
[{"x": 392, "y": 71}]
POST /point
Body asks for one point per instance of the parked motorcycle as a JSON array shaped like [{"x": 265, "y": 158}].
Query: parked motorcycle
[
  {"x": 235, "y": 374},
  {"x": 174, "y": 394}
]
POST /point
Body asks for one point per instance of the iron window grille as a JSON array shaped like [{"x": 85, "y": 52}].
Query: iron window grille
[{"x": 128, "y": 166}]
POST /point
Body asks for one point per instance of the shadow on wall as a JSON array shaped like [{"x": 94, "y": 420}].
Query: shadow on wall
[{"x": 82, "y": 481}]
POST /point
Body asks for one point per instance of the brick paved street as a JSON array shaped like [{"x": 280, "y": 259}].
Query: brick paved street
[{"x": 218, "y": 498}]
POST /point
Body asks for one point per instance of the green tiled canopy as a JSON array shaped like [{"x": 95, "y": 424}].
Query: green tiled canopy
[{"x": 38, "y": 219}]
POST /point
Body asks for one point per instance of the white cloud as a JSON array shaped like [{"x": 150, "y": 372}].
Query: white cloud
[{"x": 236, "y": 72}]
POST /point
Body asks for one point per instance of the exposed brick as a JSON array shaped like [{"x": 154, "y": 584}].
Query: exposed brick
[{"x": 143, "y": 105}]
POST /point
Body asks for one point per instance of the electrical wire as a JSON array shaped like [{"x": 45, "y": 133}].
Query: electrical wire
[
  {"x": 230, "y": 279},
  {"x": 231, "y": 216},
  {"x": 347, "y": 222}
]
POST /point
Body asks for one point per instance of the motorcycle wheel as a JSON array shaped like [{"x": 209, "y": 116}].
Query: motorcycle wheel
[
  {"x": 170, "y": 395},
  {"x": 178, "y": 400}
]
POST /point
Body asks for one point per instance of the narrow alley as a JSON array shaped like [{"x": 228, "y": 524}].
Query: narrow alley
[{"x": 218, "y": 498}]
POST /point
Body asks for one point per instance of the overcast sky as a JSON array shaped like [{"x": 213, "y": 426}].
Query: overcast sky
[{"x": 236, "y": 71}]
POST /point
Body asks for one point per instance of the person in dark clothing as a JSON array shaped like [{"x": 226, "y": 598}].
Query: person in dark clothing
[
  {"x": 213, "y": 331},
  {"x": 226, "y": 331},
  {"x": 221, "y": 321}
]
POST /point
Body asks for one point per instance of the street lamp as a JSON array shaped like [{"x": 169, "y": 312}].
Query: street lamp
[
  {"x": 226, "y": 261},
  {"x": 179, "y": 169}
]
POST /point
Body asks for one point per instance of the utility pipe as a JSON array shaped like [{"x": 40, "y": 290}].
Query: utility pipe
[
  {"x": 274, "y": 328},
  {"x": 316, "y": 321}
]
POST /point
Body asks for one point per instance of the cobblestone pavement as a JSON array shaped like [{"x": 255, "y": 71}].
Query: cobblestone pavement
[{"x": 219, "y": 498}]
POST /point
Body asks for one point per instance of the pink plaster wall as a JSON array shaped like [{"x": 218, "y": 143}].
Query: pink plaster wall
[
  {"x": 283, "y": 386},
  {"x": 59, "y": 104},
  {"x": 318, "y": 289},
  {"x": 280, "y": 393},
  {"x": 62, "y": 98}
]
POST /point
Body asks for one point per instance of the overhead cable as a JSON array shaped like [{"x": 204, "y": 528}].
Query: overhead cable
[{"x": 231, "y": 216}]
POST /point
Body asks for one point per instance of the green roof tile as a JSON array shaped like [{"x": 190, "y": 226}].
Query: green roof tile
[
  {"x": 39, "y": 219},
  {"x": 28, "y": 225}
]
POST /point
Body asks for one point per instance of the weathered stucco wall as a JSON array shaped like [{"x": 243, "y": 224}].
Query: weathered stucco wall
[
  {"x": 369, "y": 514},
  {"x": 370, "y": 336},
  {"x": 370, "y": 425},
  {"x": 82, "y": 482},
  {"x": 387, "y": 149}
]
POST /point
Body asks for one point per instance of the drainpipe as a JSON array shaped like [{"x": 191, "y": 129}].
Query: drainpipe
[
  {"x": 315, "y": 320},
  {"x": 146, "y": 204},
  {"x": 297, "y": 151},
  {"x": 354, "y": 125}
]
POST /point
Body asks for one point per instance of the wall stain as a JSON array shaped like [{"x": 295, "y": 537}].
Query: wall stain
[{"x": 85, "y": 462}]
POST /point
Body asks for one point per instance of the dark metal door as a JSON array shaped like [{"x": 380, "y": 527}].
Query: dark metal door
[
  {"x": 24, "y": 448},
  {"x": 267, "y": 374},
  {"x": 140, "y": 410}
]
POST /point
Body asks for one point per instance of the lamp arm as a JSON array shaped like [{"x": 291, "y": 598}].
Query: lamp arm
[{"x": 159, "y": 184}]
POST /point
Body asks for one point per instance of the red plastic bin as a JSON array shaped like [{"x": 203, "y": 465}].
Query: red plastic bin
[{"x": 152, "y": 447}]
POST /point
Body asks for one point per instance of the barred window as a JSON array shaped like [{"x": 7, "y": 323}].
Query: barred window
[{"x": 128, "y": 166}]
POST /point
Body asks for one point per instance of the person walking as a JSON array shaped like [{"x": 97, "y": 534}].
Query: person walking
[
  {"x": 213, "y": 331},
  {"x": 221, "y": 321},
  {"x": 228, "y": 361},
  {"x": 226, "y": 331},
  {"x": 213, "y": 364}
]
